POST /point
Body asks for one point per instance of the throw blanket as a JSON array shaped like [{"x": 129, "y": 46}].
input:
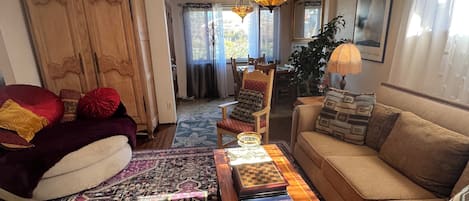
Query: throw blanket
[{"x": 20, "y": 171}]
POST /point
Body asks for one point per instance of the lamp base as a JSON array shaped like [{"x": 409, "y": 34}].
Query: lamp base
[{"x": 343, "y": 83}]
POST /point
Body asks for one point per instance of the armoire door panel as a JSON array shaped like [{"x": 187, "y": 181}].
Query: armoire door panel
[
  {"x": 111, "y": 35},
  {"x": 58, "y": 45}
]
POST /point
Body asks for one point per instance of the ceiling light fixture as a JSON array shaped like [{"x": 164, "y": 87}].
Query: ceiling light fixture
[
  {"x": 242, "y": 8},
  {"x": 271, "y": 4}
]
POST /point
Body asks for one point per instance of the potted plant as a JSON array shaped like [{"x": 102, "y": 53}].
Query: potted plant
[{"x": 309, "y": 62}]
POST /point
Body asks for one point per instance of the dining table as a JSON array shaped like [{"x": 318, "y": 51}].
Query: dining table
[{"x": 250, "y": 68}]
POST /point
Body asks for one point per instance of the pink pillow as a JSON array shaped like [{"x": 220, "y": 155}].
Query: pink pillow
[{"x": 100, "y": 103}]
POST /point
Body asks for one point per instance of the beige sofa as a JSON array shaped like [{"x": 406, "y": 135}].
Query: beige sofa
[{"x": 343, "y": 171}]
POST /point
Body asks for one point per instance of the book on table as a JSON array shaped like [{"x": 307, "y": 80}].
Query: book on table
[{"x": 258, "y": 180}]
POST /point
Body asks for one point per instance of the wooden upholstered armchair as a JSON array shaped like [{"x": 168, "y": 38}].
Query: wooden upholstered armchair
[
  {"x": 236, "y": 77},
  {"x": 257, "y": 81}
]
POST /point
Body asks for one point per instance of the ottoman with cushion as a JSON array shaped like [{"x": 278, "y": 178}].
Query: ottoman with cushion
[{"x": 65, "y": 158}]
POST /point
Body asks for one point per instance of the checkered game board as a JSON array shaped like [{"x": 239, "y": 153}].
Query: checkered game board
[{"x": 259, "y": 174}]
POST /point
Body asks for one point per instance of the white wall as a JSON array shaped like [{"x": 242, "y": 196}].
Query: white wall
[
  {"x": 16, "y": 56},
  {"x": 161, "y": 60},
  {"x": 373, "y": 73}
]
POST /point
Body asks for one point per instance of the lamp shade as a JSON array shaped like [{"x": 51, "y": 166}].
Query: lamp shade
[
  {"x": 345, "y": 59},
  {"x": 242, "y": 8},
  {"x": 271, "y": 4}
]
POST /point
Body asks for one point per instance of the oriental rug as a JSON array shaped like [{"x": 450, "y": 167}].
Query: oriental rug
[
  {"x": 197, "y": 123},
  {"x": 172, "y": 174}
]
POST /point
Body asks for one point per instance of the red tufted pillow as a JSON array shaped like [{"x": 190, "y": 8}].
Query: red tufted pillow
[{"x": 100, "y": 103}]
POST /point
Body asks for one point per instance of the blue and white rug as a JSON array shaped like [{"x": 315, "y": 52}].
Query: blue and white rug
[{"x": 197, "y": 124}]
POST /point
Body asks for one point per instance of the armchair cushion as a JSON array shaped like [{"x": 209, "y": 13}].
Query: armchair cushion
[
  {"x": 257, "y": 86},
  {"x": 249, "y": 101},
  {"x": 345, "y": 115},
  {"x": 237, "y": 126}
]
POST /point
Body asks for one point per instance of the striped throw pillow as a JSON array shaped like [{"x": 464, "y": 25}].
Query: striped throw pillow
[
  {"x": 345, "y": 115},
  {"x": 249, "y": 101}
]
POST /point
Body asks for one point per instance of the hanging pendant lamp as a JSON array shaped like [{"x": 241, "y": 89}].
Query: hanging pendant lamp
[
  {"x": 242, "y": 8},
  {"x": 271, "y": 4}
]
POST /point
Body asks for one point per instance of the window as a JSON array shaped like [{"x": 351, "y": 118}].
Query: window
[
  {"x": 200, "y": 34},
  {"x": 312, "y": 18},
  {"x": 238, "y": 35}
]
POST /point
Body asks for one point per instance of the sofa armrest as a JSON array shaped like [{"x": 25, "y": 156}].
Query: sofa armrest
[{"x": 304, "y": 119}]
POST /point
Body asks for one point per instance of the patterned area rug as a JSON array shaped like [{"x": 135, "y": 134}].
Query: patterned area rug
[
  {"x": 172, "y": 174},
  {"x": 197, "y": 123}
]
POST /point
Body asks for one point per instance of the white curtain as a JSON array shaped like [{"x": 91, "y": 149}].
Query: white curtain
[
  {"x": 432, "y": 50},
  {"x": 253, "y": 34},
  {"x": 220, "y": 60},
  {"x": 276, "y": 41}
]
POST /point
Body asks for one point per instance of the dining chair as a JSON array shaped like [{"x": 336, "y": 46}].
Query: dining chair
[
  {"x": 254, "y": 61},
  {"x": 236, "y": 77},
  {"x": 265, "y": 67},
  {"x": 257, "y": 82}
]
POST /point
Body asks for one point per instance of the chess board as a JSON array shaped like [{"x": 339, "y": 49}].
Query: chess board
[{"x": 251, "y": 179}]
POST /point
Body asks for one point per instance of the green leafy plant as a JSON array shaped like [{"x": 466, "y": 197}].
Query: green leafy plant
[{"x": 310, "y": 61}]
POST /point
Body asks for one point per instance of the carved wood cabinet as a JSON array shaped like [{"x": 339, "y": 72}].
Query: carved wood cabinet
[{"x": 85, "y": 44}]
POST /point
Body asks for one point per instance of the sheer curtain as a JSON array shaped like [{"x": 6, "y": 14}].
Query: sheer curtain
[
  {"x": 205, "y": 54},
  {"x": 432, "y": 49},
  {"x": 220, "y": 59},
  {"x": 253, "y": 33}
]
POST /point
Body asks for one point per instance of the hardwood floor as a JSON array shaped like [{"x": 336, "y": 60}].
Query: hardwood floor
[{"x": 163, "y": 138}]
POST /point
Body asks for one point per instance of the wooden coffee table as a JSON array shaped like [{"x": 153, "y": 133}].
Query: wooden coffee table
[{"x": 297, "y": 188}]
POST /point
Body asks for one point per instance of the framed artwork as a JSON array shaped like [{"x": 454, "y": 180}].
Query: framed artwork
[{"x": 371, "y": 28}]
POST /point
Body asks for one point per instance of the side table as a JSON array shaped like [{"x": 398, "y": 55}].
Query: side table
[{"x": 308, "y": 100}]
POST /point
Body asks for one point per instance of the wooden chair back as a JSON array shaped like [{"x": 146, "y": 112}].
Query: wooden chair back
[
  {"x": 265, "y": 67},
  {"x": 255, "y": 61},
  {"x": 260, "y": 78},
  {"x": 236, "y": 76}
]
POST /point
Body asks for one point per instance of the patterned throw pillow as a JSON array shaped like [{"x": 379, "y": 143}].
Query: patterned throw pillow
[
  {"x": 381, "y": 123},
  {"x": 463, "y": 195},
  {"x": 345, "y": 115},
  {"x": 249, "y": 101},
  {"x": 70, "y": 99}
]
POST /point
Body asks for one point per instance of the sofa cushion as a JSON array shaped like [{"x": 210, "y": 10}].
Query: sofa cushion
[
  {"x": 430, "y": 155},
  {"x": 88, "y": 155},
  {"x": 370, "y": 178},
  {"x": 319, "y": 146},
  {"x": 249, "y": 101},
  {"x": 381, "y": 123},
  {"x": 345, "y": 115}
]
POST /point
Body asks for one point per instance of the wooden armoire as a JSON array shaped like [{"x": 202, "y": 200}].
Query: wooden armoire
[{"x": 85, "y": 44}]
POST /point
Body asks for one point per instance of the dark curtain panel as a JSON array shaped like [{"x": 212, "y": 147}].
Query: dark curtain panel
[{"x": 199, "y": 38}]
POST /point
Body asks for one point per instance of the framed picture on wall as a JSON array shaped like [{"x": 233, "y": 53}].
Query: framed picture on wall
[{"x": 371, "y": 28}]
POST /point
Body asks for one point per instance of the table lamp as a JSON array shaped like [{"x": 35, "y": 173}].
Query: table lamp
[{"x": 345, "y": 59}]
